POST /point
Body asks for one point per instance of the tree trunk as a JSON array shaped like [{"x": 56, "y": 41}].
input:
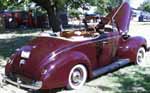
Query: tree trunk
[
  {"x": 54, "y": 20},
  {"x": 2, "y": 24}
]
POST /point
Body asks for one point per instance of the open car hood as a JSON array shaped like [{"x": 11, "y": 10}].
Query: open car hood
[{"x": 122, "y": 16}]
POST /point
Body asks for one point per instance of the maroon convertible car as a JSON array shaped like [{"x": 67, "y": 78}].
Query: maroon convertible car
[{"x": 72, "y": 57}]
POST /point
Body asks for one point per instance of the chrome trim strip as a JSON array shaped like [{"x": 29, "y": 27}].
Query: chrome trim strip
[
  {"x": 84, "y": 43},
  {"x": 118, "y": 64}
]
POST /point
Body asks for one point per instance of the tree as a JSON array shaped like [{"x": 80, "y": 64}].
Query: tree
[
  {"x": 103, "y": 5},
  {"x": 53, "y": 7},
  {"x": 13, "y": 4},
  {"x": 4, "y": 4},
  {"x": 114, "y": 3},
  {"x": 145, "y": 6}
]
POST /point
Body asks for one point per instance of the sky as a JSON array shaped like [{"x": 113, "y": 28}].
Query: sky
[{"x": 136, "y": 3}]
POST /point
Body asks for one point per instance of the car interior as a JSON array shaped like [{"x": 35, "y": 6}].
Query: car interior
[{"x": 90, "y": 32}]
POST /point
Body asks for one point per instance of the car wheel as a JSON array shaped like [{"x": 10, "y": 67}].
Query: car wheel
[
  {"x": 77, "y": 77},
  {"x": 140, "y": 56}
]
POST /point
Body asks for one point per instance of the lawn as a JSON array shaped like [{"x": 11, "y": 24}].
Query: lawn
[
  {"x": 8, "y": 46},
  {"x": 11, "y": 40}
]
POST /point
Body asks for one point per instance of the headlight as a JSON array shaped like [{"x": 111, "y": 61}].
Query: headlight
[{"x": 25, "y": 54}]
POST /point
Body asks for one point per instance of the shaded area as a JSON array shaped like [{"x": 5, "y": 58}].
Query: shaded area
[
  {"x": 133, "y": 79},
  {"x": 8, "y": 46},
  {"x": 22, "y": 31}
]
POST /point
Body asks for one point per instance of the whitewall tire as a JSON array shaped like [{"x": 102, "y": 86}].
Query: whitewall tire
[
  {"x": 140, "y": 56},
  {"x": 77, "y": 77}
]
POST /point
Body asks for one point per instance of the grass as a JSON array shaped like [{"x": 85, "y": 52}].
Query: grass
[
  {"x": 132, "y": 79},
  {"x": 9, "y": 42},
  {"x": 8, "y": 46}
]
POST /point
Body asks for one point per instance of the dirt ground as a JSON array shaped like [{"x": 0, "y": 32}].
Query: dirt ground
[{"x": 128, "y": 79}]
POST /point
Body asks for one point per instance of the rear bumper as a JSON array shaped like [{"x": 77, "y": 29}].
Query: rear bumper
[{"x": 34, "y": 86}]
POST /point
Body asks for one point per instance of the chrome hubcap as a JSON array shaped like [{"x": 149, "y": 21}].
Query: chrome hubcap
[
  {"x": 140, "y": 56},
  {"x": 77, "y": 77}
]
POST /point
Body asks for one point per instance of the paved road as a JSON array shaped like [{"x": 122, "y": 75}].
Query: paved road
[{"x": 140, "y": 29}]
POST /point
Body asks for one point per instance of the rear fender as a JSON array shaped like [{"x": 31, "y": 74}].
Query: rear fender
[{"x": 59, "y": 75}]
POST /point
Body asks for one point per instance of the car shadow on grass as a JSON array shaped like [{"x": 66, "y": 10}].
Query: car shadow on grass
[{"x": 135, "y": 82}]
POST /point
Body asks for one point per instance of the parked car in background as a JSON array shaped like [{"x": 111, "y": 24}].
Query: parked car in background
[
  {"x": 144, "y": 18},
  {"x": 69, "y": 58},
  {"x": 24, "y": 19},
  {"x": 14, "y": 19}
]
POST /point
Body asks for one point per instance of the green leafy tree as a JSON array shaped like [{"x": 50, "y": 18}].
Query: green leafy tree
[
  {"x": 4, "y": 4},
  {"x": 145, "y": 6},
  {"x": 103, "y": 5},
  {"x": 14, "y": 4},
  {"x": 114, "y": 3},
  {"x": 53, "y": 7}
]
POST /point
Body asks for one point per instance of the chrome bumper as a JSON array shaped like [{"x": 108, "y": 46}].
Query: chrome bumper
[{"x": 19, "y": 83}]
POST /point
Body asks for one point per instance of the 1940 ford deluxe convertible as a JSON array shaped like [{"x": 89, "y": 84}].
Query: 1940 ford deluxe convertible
[{"x": 72, "y": 57}]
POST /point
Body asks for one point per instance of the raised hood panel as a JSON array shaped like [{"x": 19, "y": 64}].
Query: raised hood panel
[{"x": 122, "y": 17}]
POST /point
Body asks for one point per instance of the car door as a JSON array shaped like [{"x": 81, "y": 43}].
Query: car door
[{"x": 106, "y": 48}]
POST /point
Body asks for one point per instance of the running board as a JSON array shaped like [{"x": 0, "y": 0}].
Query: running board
[{"x": 119, "y": 63}]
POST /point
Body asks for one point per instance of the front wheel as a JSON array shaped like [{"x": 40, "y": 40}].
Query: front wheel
[
  {"x": 77, "y": 77},
  {"x": 140, "y": 56}
]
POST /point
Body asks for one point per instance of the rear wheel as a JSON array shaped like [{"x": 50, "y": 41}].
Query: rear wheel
[
  {"x": 140, "y": 56},
  {"x": 77, "y": 77}
]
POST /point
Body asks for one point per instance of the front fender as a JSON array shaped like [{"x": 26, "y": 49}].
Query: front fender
[
  {"x": 128, "y": 48},
  {"x": 58, "y": 77}
]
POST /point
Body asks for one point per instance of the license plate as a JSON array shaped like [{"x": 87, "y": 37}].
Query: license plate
[{"x": 25, "y": 54}]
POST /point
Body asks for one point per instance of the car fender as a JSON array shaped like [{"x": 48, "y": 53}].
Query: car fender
[
  {"x": 128, "y": 48},
  {"x": 64, "y": 62}
]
